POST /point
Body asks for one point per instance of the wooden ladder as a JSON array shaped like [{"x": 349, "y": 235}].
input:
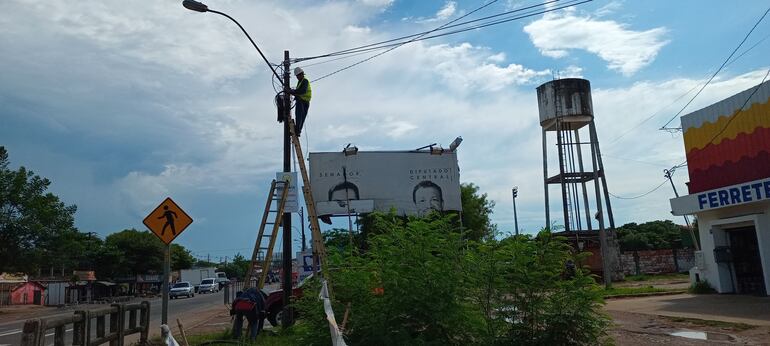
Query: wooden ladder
[
  {"x": 280, "y": 198},
  {"x": 319, "y": 249}
]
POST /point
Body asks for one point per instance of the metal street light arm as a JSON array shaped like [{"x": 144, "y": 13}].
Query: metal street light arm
[{"x": 200, "y": 7}]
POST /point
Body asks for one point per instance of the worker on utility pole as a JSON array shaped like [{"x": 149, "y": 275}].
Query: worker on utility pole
[{"x": 302, "y": 94}]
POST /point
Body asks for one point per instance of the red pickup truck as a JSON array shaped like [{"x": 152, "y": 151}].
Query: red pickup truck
[{"x": 274, "y": 304}]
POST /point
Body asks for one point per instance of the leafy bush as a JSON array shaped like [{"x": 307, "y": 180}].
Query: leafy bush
[
  {"x": 419, "y": 282},
  {"x": 701, "y": 287}
]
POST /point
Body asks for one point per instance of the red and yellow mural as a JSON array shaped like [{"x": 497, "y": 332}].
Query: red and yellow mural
[{"x": 726, "y": 145}]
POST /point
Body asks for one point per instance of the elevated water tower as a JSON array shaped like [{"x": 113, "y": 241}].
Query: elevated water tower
[{"x": 565, "y": 109}]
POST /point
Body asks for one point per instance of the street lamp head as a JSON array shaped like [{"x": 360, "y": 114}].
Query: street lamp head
[
  {"x": 350, "y": 150},
  {"x": 195, "y": 6},
  {"x": 455, "y": 143}
]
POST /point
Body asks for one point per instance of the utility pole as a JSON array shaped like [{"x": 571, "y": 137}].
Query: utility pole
[
  {"x": 668, "y": 173},
  {"x": 302, "y": 223},
  {"x": 287, "y": 317},
  {"x": 515, "y": 192}
]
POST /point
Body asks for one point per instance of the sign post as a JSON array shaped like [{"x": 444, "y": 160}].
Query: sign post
[
  {"x": 167, "y": 221},
  {"x": 164, "y": 287}
]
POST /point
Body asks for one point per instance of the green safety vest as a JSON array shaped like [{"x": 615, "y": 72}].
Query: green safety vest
[{"x": 308, "y": 93}]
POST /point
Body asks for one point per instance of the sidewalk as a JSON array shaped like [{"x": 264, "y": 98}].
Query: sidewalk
[
  {"x": 728, "y": 308},
  {"x": 9, "y": 313}
]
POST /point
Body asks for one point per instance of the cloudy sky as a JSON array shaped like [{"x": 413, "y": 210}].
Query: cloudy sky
[{"x": 122, "y": 103}]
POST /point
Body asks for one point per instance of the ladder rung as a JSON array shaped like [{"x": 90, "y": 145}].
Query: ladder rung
[{"x": 267, "y": 235}]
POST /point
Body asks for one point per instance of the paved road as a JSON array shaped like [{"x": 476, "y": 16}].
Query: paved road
[{"x": 186, "y": 309}]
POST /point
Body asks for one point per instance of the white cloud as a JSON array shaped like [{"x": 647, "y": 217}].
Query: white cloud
[
  {"x": 608, "y": 9},
  {"x": 465, "y": 67},
  {"x": 625, "y": 50},
  {"x": 447, "y": 11},
  {"x": 377, "y": 3},
  {"x": 497, "y": 58}
]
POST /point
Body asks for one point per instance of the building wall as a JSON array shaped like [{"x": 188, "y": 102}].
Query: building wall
[
  {"x": 25, "y": 294},
  {"x": 727, "y": 144},
  {"x": 657, "y": 261},
  {"x": 712, "y": 227}
]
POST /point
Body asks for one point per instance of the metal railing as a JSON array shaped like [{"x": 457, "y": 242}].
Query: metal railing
[{"x": 35, "y": 330}]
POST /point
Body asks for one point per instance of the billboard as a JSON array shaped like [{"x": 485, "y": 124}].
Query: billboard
[{"x": 412, "y": 182}]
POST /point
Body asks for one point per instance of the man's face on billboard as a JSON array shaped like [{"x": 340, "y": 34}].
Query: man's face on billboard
[
  {"x": 427, "y": 199},
  {"x": 342, "y": 194}
]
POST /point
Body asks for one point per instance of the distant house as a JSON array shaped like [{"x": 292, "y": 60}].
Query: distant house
[{"x": 28, "y": 293}]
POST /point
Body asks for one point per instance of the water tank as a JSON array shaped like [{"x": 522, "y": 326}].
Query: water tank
[{"x": 565, "y": 98}]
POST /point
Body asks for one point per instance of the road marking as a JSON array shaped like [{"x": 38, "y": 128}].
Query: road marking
[
  {"x": 11, "y": 333},
  {"x": 66, "y": 331}
]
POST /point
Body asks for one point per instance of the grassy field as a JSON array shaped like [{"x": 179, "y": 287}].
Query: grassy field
[
  {"x": 266, "y": 338},
  {"x": 659, "y": 277},
  {"x": 624, "y": 291}
]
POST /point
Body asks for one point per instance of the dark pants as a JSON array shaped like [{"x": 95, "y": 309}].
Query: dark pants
[
  {"x": 256, "y": 322},
  {"x": 300, "y": 109}
]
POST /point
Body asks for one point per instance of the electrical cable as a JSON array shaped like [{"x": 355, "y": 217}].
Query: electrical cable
[
  {"x": 632, "y": 160},
  {"x": 642, "y": 195},
  {"x": 412, "y": 40},
  {"x": 335, "y": 59},
  {"x": 659, "y": 111},
  {"x": 732, "y": 117},
  {"x": 444, "y": 27},
  {"x": 490, "y": 23},
  {"x": 718, "y": 70},
  {"x": 420, "y": 38}
]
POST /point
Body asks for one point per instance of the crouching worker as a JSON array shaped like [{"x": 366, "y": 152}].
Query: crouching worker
[{"x": 249, "y": 304}]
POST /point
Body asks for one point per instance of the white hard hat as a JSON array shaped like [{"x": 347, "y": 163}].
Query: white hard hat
[{"x": 298, "y": 71}]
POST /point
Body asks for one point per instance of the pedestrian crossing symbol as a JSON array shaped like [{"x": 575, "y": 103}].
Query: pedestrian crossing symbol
[{"x": 167, "y": 221}]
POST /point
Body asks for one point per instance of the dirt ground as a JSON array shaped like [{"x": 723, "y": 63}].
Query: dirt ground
[{"x": 642, "y": 329}]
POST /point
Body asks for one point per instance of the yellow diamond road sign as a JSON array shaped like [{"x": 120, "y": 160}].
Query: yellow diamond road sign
[{"x": 167, "y": 221}]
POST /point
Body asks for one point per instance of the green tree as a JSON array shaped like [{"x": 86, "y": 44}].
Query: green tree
[
  {"x": 181, "y": 258},
  {"x": 31, "y": 220},
  {"x": 476, "y": 213},
  {"x": 237, "y": 268},
  {"x": 204, "y": 264},
  {"x": 653, "y": 235},
  {"x": 140, "y": 252}
]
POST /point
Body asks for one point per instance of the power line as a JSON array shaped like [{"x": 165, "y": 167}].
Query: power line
[
  {"x": 718, "y": 70},
  {"x": 379, "y": 45},
  {"x": 684, "y": 163},
  {"x": 659, "y": 111},
  {"x": 412, "y": 40},
  {"x": 732, "y": 117},
  {"x": 632, "y": 160},
  {"x": 574, "y": 3},
  {"x": 642, "y": 195}
]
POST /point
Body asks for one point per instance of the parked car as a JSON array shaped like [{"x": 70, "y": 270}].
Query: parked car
[
  {"x": 182, "y": 288},
  {"x": 208, "y": 285}
]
